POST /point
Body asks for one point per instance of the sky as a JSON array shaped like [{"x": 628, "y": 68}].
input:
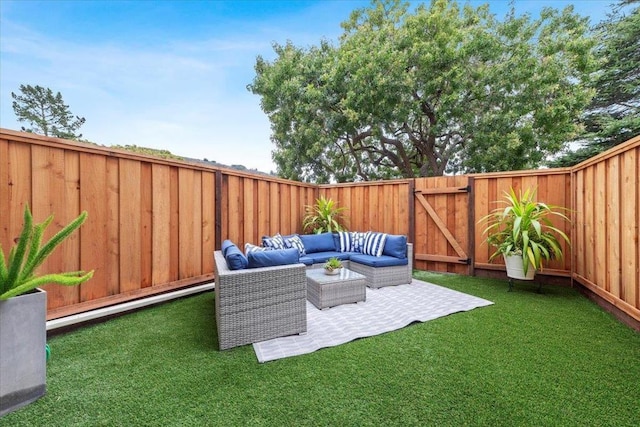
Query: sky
[{"x": 173, "y": 75}]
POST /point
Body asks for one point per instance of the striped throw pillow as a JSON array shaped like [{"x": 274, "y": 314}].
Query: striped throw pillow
[
  {"x": 248, "y": 247},
  {"x": 295, "y": 242},
  {"x": 374, "y": 244},
  {"x": 346, "y": 242},
  {"x": 275, "y": 242}
]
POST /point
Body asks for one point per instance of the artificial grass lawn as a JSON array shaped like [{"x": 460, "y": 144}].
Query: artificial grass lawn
[{"x": 530, "y": 359}]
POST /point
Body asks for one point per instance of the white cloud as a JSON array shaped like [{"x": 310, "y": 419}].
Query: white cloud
[{"x": 189, "y": 98}]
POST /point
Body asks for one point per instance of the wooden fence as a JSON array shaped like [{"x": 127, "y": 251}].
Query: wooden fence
[
  {"x": 153, "y": 223},
  {"x": 606, "y": 226}
]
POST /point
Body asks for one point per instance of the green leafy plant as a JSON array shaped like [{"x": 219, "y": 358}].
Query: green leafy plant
[
  {"x": 324, "y": 216},
  {"x": 332, "y": 264},
  {"x": 17, "y": 273},
  {"x": 523, "y": 227}
]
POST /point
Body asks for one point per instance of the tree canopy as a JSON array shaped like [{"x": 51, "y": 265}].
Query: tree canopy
[
  {"x": 46, "y": 113},
  {"x": 613, "y": 116},
  {"x": 442, "y": 88}
]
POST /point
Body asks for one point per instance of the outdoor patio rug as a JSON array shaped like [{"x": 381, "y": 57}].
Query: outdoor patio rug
[{"x": 386, "y": 309}]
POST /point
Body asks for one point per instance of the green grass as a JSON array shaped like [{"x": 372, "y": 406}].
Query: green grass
[{"x": 530, "y": 359}]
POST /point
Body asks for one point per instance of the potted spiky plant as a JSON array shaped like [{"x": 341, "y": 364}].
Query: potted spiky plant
[
  {"x": 522, "y": 232},
  {"x": 23, "y": 308},
  {"x": 324, "y": 216}
]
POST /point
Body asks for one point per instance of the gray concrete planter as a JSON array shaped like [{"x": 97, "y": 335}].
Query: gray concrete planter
[{"x": 23, "y": 337}]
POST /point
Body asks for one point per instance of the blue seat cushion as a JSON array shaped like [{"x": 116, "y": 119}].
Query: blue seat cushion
[
  {"x": 379, "y": 261},
  {"x": 235, "y": 258},
  {"x": 273, "y": 258},
  {"x": 395, "y": 246},
  {"x": 322, "y": 242},
  {"x": 319, "y": 257},
  {"x": 306, "y": 260}
]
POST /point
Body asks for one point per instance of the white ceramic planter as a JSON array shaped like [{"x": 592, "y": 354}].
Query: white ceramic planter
[
  {"x": 23, "y": 337},
  {"x": 515, "y": 269}
]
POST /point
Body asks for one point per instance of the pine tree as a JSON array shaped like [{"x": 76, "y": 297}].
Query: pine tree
[{"x": 46, "y": 113}]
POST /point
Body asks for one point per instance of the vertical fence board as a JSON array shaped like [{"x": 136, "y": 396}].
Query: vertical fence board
[
  {"x": 208, "y": 221},
  {"x": 174, "y": 226},
  {"x": 580, "y": 227},
  {"x": 285, "y": 209},
  {"x": 402, "y": 215},
  {"x": 589, "y": 206},
  {"x": 190, "y": 224},
  {"x": 420, "y": 227},
  {"x": 161, "y": 224},
  {"x": 274, "y": 208},
  {"x": 19, "y": 179},
  {"x": 69, "y": 295},
  {"x": 130, "y": 220},
  {"x": 94, "y": 238},
  {"x": 248, "y": 213},
  {"x": 295, "y": 210},
  {"x": 112, "y": 226},
  {"x": 600, "y": 219},
  {"x": 629, "y": 225},
  {"x": 612, "y": 283},
  {"x": 146, "y": 231},
  {"x": 5, "y": 185},
  {"x": 264, "y": 212},
  {"x": 461, "y": 222},
  {"x": 234, "y": 209},
  {"x": 482, "y": 208}
]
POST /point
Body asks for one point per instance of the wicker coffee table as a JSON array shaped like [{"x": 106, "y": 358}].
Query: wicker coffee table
[{"x": 326, "y": 291}]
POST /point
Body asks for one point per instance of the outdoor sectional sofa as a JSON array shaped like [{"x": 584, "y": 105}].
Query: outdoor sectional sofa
[{"x": 262, "y": 294}]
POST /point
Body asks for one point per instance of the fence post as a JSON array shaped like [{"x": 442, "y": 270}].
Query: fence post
[
  {"x": 471, "y": 250},
  {"x": 218, "y": 210},
  {"x": 412, "y": 212}
]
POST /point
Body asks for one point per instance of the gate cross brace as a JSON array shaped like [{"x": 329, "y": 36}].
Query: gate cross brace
[{"x": 442, "y": 226}]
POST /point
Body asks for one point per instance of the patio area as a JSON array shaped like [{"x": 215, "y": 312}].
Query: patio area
[{"x": 533, "y": 359}]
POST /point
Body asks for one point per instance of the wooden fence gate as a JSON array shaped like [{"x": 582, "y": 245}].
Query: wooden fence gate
[{"x": 444, "y": 223}]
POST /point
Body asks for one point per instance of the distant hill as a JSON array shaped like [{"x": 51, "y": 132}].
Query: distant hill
[
  {"x": 166, "y": 154},
  {"x": 236, "y": 167}
]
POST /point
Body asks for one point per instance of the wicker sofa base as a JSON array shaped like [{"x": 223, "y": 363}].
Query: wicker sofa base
[
  {"x": 259, "y": 304},
  {"x": 378, "y": 277}
]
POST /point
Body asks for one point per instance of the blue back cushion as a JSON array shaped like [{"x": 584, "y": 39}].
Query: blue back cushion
[
  {"x": 318, "y": 242},
  {"x": 235, "y": 258},
  {"x": 395, "y": 246},
  {"x": 225, "y": 245},
  {"x": 273, "y": 258}
]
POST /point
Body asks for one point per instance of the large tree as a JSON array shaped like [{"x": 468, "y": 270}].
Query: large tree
[
  {"x": 46, "y": 113},
  {"x": 422, "y": 93},
  {"x": 613, "y": 116}
]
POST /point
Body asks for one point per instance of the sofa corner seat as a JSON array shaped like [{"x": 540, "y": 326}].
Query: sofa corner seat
[{"x": 380, "y": 271}]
